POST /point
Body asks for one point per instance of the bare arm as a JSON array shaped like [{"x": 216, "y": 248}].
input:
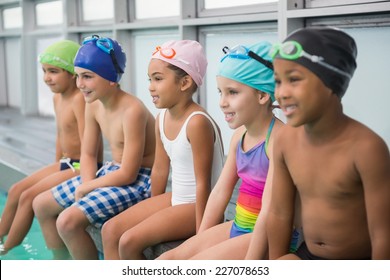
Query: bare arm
[
  {"x": 222, "y": 192},
  {"x": 58, "y": 144},
  {"x": 160, "y": 170},
  {"x": 90, "y": 145},
  {"x": 78, "y": 106},
  {"x": 373, "y": 165},
  {"x": 200, "y": 133},
  {"x": 279, "y": 222}
]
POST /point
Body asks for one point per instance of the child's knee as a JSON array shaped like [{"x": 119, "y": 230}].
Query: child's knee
[
  {"x": 15, "y": 192},
  {"x": 129, "y": 240},
  {"x": 110, "y": 231},
  {"x": 67, "y": 222},
  {"x": 38, "y": 206},
  {"x": 26, "y": 198}
]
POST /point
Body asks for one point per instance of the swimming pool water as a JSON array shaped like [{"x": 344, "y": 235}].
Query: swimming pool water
[{"x": 33, "y": 246}]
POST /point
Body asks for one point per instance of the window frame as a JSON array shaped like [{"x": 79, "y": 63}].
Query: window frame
[{"x": 237, "y": 10}]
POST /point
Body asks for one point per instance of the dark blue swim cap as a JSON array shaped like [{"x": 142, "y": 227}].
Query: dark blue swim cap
[{"x": 103, "y": 56}]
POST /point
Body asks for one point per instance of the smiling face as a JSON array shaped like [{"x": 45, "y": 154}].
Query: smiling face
[
  {"x": 164, "y": 86},
  {"x": 57, "y": 79},
  {"x": 239, "y": 103},
  {"x": 302, "y": 96},
  {"x": 91, "y": 84}
]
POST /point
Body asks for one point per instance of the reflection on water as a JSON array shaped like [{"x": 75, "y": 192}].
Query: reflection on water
[{"x": 33, "y": 246}]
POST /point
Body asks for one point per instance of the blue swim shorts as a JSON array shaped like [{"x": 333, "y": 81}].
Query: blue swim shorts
[
  {"x": 104, "y": 203},
  {"x": 66, "y": 163}
]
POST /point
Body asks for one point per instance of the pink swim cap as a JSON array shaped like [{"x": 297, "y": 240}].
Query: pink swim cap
[{"x": 188, "y": 55}]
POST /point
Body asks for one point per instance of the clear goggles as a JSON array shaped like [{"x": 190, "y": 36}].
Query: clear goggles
[{"x": 241, "y": 52}]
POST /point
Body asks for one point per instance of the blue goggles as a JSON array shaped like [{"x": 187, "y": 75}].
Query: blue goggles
[
  {"x": 106, "y": 46},
  {"x": 241, "y": 52}
]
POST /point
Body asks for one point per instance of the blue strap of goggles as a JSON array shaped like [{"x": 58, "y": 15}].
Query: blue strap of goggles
[{"x": 105, "y": 45}]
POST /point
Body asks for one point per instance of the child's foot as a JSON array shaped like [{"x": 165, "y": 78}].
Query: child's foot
[{"x": 3, "y": 250}]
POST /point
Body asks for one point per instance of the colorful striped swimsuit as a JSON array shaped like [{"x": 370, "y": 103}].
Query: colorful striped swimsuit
[{"x": 252, "y": 168}]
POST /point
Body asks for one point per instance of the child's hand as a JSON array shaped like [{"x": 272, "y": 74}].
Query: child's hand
[{"x": 80, "y": 192}]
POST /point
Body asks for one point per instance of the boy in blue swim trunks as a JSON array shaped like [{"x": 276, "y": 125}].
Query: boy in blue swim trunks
[
  {"x": 338, "y": 167},
  {"x": 97, "y": 195},
  {"x": 69, "y": 105}
]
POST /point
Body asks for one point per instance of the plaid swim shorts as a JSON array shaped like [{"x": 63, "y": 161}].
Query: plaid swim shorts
[{"x": 102, "y": 204}]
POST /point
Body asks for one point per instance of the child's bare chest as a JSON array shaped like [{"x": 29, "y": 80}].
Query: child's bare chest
[
  {"x": 66, "y": 119},
  {"x": 323, "y": 170},
  {"x": 112, "y": 129}
]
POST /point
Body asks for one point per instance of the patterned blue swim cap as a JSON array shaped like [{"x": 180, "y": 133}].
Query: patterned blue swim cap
[
  {"x": 103, "y": 56},
  {"x": 242, "y": 64}
]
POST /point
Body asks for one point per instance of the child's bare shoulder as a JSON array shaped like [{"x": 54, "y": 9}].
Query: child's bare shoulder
[
  {"x": 78, "y": 97},
  {"x": 286, "y": 135},
  {"x": 133, "y": 108},
  {"x": 199, "y": 122},
  {"x": 364, "y": 138}
]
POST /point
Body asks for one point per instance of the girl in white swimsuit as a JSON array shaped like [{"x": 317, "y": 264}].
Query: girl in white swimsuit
[{"x": 188, "y": 145}]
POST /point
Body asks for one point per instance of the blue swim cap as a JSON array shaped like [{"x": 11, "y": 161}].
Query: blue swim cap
[
  {"x": 101, "y": 55},
  {"x": 237, "y": 65}
]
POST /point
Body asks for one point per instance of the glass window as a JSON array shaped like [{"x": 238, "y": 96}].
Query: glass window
[
  {"x": 92, "y": 10},
  {"x": 49, "y": 13},
  {"x": 329, "y": 3},
  {"x": 12, "y": 68},
  {"x": 12, "y": 18},
  {"x": 213, "y": 4},
  {"x": 156, "y": 8},
  {"x": 367, "y": 96}
]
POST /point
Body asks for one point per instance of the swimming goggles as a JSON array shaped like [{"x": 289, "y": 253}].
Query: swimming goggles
[
  {"x": 169, "y": 53},
  {"x": 292, "y": 50},
  {"x": 241, "y": 52},
  {"x": 105, "y": 45}
]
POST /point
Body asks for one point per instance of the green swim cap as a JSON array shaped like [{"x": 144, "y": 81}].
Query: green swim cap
[
  {"x": 257, "y": 72},
  {"x": 60, "y": 54}
]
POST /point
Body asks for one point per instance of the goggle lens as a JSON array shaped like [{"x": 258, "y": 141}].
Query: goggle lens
[
  {"x": 241, "y": 52},
  {"x": 105, "y": 45},
  {"x": 292, "y": 50},
  {"x": 288, "y": 50},
  {"x": 166, "y": 52}
]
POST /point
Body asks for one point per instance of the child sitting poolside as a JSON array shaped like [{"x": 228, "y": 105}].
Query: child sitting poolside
[
  {"x": 246, "y": 87},
  {"x": 188, "y": 140},
  {"x": 337, "y": 166},
  {"x": 98, "y": 195},
  {"x": 69, "y": 106}
]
